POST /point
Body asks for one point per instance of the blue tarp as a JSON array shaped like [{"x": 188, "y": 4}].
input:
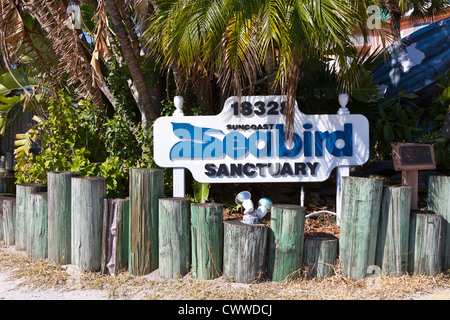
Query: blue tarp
[{"x": 414, "y": 61}]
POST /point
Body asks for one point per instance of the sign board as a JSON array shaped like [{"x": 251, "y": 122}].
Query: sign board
[
  {"x": 246, "y": 143},
  {"x": 413, "y": 156}
]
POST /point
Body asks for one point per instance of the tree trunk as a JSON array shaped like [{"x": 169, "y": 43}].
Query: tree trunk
[
  {"x": 270, "y": 66},
  {"x": 396, "y": 17},
  {"x": 148, "y": 109}
]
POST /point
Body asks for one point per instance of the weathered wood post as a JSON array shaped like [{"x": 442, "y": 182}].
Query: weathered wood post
[
  {"x": 87, "y": 195},
  {"x": 22, "y": 192},
  {"x": 207, "y": 240},
  {"x": 359, "y": 224},
  {"x": 425, "y": 245},
  {"x": 174, "y": 237},
  {"x": 244, "y": 252},
  {"x": 115, "y": 240},
  {"x": 2, "y": 219},
  {"x": 7, "y": 181},
  {"x": 438, "y": 198},
  {"x": 393, "y": 230},
  {"x": 146, "y": 187},
  {"x": 319, "y": 254},
  {"x": 286, "y": 238},
  {"x": 9, "y": 221},
  {"x": 37, "y": 242},
  {"x": 59, "y": 215}
]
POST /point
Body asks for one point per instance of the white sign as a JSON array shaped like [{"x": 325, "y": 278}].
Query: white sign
[{"x": 247, "y": 143}]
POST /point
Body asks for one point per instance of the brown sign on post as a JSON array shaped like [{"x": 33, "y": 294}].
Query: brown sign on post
[{"x": 410, "y": 158}]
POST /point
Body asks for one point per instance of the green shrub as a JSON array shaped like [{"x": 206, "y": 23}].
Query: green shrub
[{"x": 75, "y": 136}]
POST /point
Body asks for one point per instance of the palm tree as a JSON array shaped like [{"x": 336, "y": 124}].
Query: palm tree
[
  {"x": 421, "y": 9},
  {"x": 37, "y": 31},
  {"x": 231, "y": 42}
]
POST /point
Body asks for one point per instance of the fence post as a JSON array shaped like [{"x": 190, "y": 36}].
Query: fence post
[
  {"x": 3, "y": 234},
  {"x": 115, "y": 235},
  {"x": 393, "y": 230},
  {"x": 146, "y": 187},
  {"x": 59, "y": 215},
  {"x": 174, "y": 237},
  {"x": 7, "y": 181},
  {"x": 178, "y": 173},
  {"x": 341, "y": 171},
  {"x": 286, "y": 238},
  {"x": 244, "y": 252},
  {"x": 207, "y": 240},
  {"x": 87, "y": 196},
  {"x": 9, "y": 221},
  {"x": 22, "y": 203},
  {"x": 438, "y": 198},
  {"x": 360, "y": 215},
  {"x": 425, "y": 246},
  {"x": 320, "y": 253},
  {"x": 37, "y": 245}
]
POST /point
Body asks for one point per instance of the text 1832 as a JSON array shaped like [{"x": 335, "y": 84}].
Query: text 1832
[{"x": 259, "y": 108}]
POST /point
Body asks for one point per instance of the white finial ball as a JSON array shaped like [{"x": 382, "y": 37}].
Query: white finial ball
[
  {"x": 343, "y": 99},
  {"x": 178, "y": 101}
]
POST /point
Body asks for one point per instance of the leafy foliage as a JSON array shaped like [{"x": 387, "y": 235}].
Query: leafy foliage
[
  {"x": 77, "y": 137},
  {"x": 399, "y": 119},
  {"x": 201, "y": 192}
]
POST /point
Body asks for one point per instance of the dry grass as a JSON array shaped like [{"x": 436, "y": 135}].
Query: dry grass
[{"x": 39, "y": 273}]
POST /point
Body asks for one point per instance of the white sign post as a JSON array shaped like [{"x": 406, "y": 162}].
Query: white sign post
[
  {"x": 247, "y": 143},
  {"x": 178, "y": 173}
]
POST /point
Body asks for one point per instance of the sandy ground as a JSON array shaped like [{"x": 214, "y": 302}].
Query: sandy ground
[{"x": 12, "y": 289}]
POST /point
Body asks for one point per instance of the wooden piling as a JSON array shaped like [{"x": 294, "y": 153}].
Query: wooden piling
[
  {"x": 87, "y": 195},
  {"x": 2, "y": 219},
  {"x": 7, "y": 181},
  {"x": 286, "y": 238},
  {"x": 174, "y": 237},
  {"x": 22, "y": 192},
  {"x": 37, "y": 240},
  {"x": 9, "y": 221},
  {"x": 438, "y": 198},
  {"x": 59, "y": 216},
  {"x": 115, "y": 235},
  {"x": 425, "y": 243},
  {"x": 393, "y": 230},
  {"x": 244, "y": 252},
  {"x": 359, "y": 224},
  {"x": 146, "y": 187},
  {"x": 320, "y": 253},
  {"x": 207, "y": 240}
]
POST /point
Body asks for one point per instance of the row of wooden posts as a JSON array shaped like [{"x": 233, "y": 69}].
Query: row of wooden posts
[{"x": 69, "y": 220}]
